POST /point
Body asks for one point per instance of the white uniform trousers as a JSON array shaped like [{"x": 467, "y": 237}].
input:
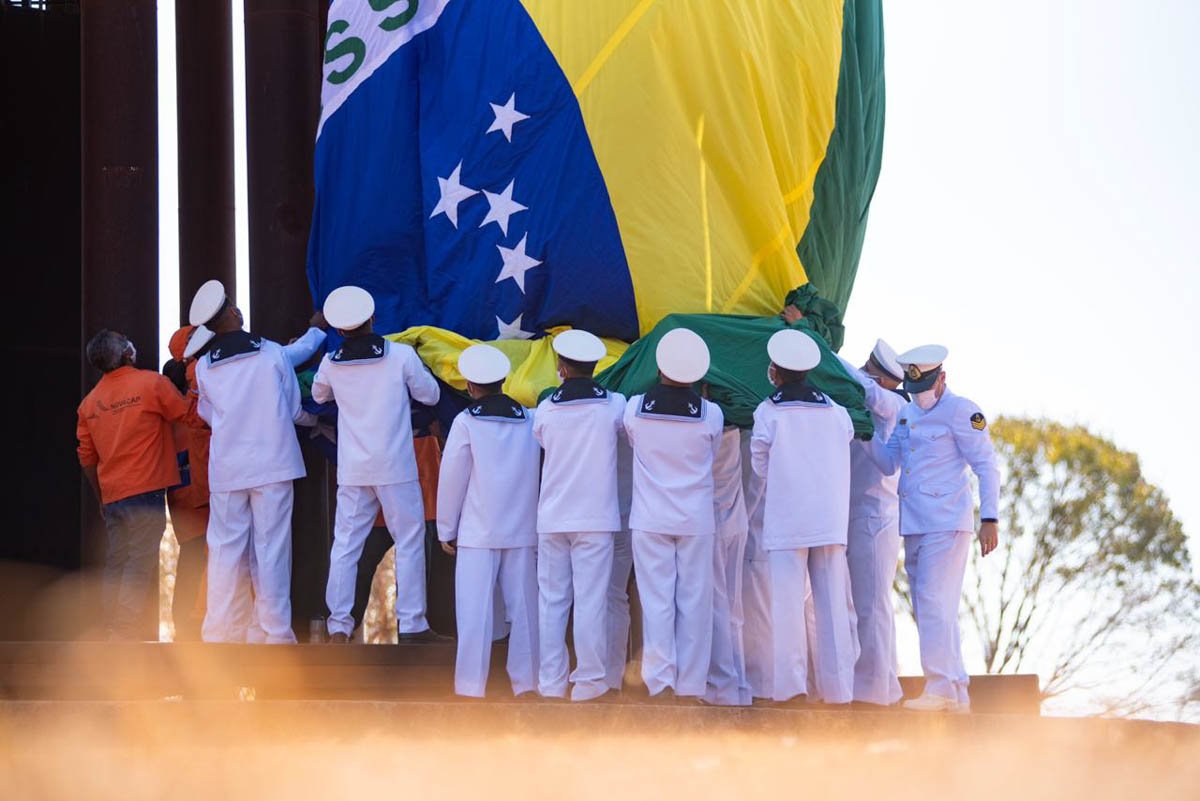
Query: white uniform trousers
[
  {"x": 404, "y": 514},
  {"x": 836, "y": 647},
  {"x": 618, "y": 611},
  {"x": 260, "y": 519},
  {"x": 727, "y": 682},
  {"x": 675, "y": 584},
  {"x": 872, "y": 550},
  {"x": 574, "y": 567},
  {"x": 935, "y": 564},
  {"x": 476, "y": 574},
  {"x": 756, "y": 615}
]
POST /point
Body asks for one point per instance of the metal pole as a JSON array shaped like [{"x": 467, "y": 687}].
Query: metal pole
[
  {"x": 119, "y": 110},
  {"x": 204, "y": 81}
]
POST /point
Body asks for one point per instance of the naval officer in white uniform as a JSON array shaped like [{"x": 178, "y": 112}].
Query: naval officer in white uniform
[
  {"x": 939, "y": 438},
  {"x": 675, "y": 435},
  {"x": 371, "y": 379},
  {"x": 873, "y": 545},
  {"x": 248, "y": 394},
  {"x": 487, "y": 516},
  {"x": 578, "y": 426},
  {"x": 801, "y": 447}
]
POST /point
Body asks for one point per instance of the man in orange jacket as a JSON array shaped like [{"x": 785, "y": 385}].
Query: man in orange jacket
[{"x": 127, "y": 452}]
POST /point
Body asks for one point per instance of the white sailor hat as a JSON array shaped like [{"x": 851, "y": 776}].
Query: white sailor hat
[
  {"x": 579, "y": 346},
  {"x": 793, "y": 350},
  {"x": 922, "y": 366},
  {"x": 682, "y": 356},
  {"x": 483, "y": 364},
  {"x": 884, "y": 357},
  {"x": 200, "y": 337},
  {"x": 348, "y": 307},
  {"x": 208, "y": 301}
]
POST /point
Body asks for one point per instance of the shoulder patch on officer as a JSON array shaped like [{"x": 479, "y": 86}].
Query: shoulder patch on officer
[
  {"x": 497, "y": 407},
  {"x": 978, "y": 422}
]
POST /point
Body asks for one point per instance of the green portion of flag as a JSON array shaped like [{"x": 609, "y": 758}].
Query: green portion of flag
[{"x": 832, "y": 242}]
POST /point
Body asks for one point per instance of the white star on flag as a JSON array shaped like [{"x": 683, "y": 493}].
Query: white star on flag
[
  {"x": 453, "y": 193},
  {"x": 502, "y": 206},
  {"x": 512, "y": 330},
  {"x": 506, "y": 116},
  {"x": 516, "y": 263}
]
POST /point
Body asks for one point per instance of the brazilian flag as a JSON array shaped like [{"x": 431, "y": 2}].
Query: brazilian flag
[{"x": 501, "y": 169}]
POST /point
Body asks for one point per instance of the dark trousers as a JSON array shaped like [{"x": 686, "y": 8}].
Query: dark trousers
[
  {"x": 189, "y": 570},
  {"x": 135, "y": 528}
]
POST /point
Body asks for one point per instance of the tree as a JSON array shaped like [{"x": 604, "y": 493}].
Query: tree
[{"x": 1093, "y": 587}]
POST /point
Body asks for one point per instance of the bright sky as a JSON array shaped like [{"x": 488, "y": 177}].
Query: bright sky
[{"x": 1037, "y": 214}]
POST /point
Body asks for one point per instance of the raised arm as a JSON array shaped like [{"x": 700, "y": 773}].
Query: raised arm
[
  {"x": 421, "y": 384},
  {"x": 304, "y": 347}
]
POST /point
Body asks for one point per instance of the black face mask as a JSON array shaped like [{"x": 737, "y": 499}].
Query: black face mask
[{"x": 177, "y": 372}]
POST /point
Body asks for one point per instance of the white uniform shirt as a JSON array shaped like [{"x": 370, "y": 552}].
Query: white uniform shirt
[
  {"x": 374, "y": 439},
  {"x": 873, "y": 493},
  {"x": 488, "y": 485},
  {"x": 673, "y": 460},
  {"x": 729, "y": 501},
  {"x": 248, "y": 394},
  {"x": 801, "y": 446},
  {"x": 935, "y": 449},
  {"x": 578, "y": 426}
]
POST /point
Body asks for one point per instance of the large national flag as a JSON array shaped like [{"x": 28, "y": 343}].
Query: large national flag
[{"x": 497, "y": 168}]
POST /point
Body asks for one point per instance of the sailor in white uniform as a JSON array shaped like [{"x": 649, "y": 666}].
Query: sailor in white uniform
[
  {"x": 298, "y": 351},
  {"x": 873, "y": 546},
  {"x": 801, "y": 447},
  {"x": 487, "y": 516},
  {"x": 939, "y": 439},
  {"x": 371, "y": 379},
  {"x": 727, "y": 683},
  {"x": 675, "y": 435},
  {"x": 578, "y": 426},
  {"x": 248, "y": 394}
]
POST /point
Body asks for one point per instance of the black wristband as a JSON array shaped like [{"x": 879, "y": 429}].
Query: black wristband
[{"x": 988, "y": 520}]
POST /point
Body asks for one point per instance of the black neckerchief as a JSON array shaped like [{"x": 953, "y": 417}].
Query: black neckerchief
[
  {"x": 902, "y": 394},
  {"x": 359, "y": 350},
  {"x": 672, "y": 403},
  {"x": 579, "y": 390},
  {"x": 231, "y": 346},
  {"x": 498, "y": 407},
  {"x": 798, "y": 393}
]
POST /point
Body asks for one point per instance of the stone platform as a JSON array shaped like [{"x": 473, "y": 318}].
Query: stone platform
[{"x": 417, "y": 671}]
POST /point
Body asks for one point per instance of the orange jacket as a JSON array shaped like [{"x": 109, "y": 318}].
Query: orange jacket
[{"x": 124, "y": 430}]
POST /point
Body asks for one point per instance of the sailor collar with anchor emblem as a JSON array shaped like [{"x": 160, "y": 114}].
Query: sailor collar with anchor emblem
[
  {"x": 798, "y": 393},
  {"x": 672, "y": 403},
  {"x": 360, "y": 350},
  {"x": 579, "y": 390},
  {"x": 231, "y": 346},
  {"x": 500, "y": 408}
]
